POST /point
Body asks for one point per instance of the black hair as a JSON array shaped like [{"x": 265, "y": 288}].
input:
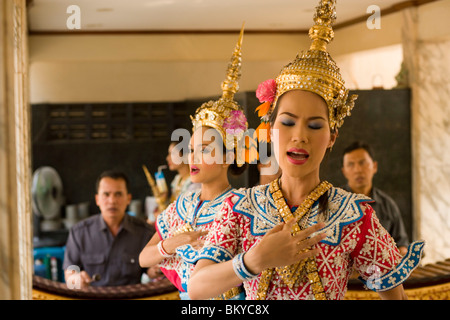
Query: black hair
[
  {"x": 359, "y": 145},
  {"x": 234, "y": 169},
  {"x": 113, "y": 174}
]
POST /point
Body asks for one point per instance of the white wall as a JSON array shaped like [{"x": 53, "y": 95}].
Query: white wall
[
  {"x": 79, "y": 68},
  {"x": 367, "y": 69}
]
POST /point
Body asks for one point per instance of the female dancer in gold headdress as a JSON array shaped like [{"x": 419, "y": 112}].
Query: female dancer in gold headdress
[
  {"x": 182, "y": 226},
  {"x": 299, "y": 237}
]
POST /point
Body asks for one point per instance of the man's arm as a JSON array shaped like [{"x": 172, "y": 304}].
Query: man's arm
[{"x": 74, "y": 274}]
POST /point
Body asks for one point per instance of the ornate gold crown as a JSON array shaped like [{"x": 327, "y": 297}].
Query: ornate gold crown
[
  {"x": 225, "y": 114},
  {"x": 315, "y": 70}
]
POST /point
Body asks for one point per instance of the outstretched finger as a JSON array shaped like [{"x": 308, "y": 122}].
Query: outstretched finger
[
  {"x": 304, "y": 234},
  {"x": 195, "y": 234},
  {"x": 308, "y": 254},
  {"x": 311, "y": 230},
  {"x": 277, "y": 228},
  {"x": 310, "y": 242}
]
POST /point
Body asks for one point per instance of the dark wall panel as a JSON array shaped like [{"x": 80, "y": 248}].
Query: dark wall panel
[
  {"x": 82, "y": 140},
  {"x": 381, "y": 118}
]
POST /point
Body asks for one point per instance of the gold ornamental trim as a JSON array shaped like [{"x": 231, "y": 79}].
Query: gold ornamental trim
[{"x": 292, "y": 274}]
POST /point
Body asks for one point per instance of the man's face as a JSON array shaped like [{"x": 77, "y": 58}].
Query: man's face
[
  {"x": 359, "y": 168},
  {"x": 112, "y": 198}
]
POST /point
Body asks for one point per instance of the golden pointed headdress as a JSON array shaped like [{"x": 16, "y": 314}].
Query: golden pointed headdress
[
  {"x": 314, "y": 71},
  {"x": 225, "y": 114}
]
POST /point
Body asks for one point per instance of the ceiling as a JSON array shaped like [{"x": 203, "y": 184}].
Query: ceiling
[{"x": 194, "y": 15}]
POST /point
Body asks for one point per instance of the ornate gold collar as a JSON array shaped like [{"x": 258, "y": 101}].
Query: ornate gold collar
[{"x": 291, "y": 274}]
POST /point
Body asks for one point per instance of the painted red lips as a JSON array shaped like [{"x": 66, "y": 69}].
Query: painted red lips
[
  {"x": 297, "y": 156},
  {"x": 194, "y": 170}
]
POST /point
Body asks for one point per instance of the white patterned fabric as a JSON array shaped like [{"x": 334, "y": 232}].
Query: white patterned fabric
[{"x": 200, "y": 214}]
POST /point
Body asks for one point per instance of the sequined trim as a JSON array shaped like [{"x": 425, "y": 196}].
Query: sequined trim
[
  {"x": 258, "y": 205},
  {"x": 214, "y": 253},
  {"x": 347, "y": 209},
  {"x": 184, "y": 205}
]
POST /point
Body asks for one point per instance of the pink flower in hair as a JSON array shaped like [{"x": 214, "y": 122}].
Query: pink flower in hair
[
  {"x": 266, "y": 91},
  {"x": 236, "y": 121}
]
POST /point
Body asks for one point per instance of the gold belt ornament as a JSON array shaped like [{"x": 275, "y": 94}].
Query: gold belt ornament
[{"x": 291, "y": 274}]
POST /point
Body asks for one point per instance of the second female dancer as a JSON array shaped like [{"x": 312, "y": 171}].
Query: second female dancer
[{"x": 183, "y": 225}]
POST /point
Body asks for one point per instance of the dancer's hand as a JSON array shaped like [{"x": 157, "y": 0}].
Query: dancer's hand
[
  {"x": 191, "y": 237},
  {"x": 279, "y": 248}
]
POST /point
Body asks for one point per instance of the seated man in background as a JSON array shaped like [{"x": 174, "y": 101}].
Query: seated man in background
[
  {"x": 106, "y": 246},
  {"x": 359, "y": 167}
]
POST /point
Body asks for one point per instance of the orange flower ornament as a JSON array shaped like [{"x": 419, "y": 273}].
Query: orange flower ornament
[{"x": 265, "y": 93}]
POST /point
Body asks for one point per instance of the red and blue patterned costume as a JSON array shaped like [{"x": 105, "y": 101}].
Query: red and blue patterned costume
[{"x": 355, "y": 241}]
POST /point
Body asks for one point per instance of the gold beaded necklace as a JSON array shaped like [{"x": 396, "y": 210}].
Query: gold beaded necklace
[{"x": 291, "y": 274}]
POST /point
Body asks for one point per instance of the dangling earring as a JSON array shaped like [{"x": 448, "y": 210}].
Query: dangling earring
[{"x": 335, "y": 132}]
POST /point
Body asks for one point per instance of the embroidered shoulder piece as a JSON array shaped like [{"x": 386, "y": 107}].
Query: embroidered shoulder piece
[
  {"x": 187, "y": 202},
  {"x": 186, "y": 205},
  {"x": 399, "y": 273},
  {"x": 344, "y": 208},
  {"x": 257, "y": 204},
  {"x": 188, "y": 253}
]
